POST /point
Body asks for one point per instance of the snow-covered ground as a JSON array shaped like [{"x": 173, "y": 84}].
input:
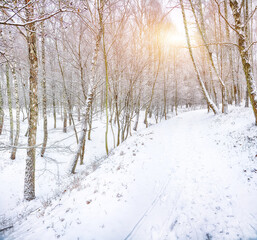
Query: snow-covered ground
[{"x": 191, "y": 177}]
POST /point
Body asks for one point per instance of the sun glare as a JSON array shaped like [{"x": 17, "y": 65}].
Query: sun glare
[{"x": 175, "y": 39}]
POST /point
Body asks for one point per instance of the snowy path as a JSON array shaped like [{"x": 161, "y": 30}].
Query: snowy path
[
  {"x": 171, "y": 181},
  {"x": 204, "y": 196}
]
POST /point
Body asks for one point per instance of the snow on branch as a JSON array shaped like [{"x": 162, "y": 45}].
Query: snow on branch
[
  {"x": 225, "y": 19},
  {"x": 13, "y": 12},
  {"x": 33, "y": 21}
]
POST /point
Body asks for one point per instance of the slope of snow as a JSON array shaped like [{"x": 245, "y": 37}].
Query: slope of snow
[{"x": 191, "y": 177}]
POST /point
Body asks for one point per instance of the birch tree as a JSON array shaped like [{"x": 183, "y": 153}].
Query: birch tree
[
  {"x": 90, "y": 94},
  {"x": 100, "y": 13},
  {"x": 9, "y": 95},
  {"x": 17, "y": 104},
  {"x": 201, "y": 28},
  {"x": 244, "y": 50},
  {"x": 43, "y": 83},
  {"x": 29, "y": 183},
  {"x": 204, "y": 91}
]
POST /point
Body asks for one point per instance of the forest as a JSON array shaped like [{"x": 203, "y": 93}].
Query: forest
[{"x": 82, "y": 79}]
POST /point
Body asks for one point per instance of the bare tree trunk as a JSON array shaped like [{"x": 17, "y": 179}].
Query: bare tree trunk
[
  {"x": 213, "y": 87},
  {"x": 82, "y": 152},
  {"x": 29, "y": 183},
  {"x": 25, "y": 99},
  {"x": 78, "y": 108},
  {"x": 90, "y": 96},
  {"x": 54, "y": 105},
  {"x": 138, "y": 106},
  {"x": 246, "y": 29},
  {"x": 106, "y": 81},
  {"x": 152, "y": 93},
  {"x": 17, "y": 103},
  {"x": 245, "y": 55},
  {"x": 53, "y": 87},
  {"x": 117, "y": 114},
  {"x": 82, "y": 80},
  {"x": 44, "y": 87},
  {"x": 203, "y": 35},
  {"x": 164, "y": 97},
  {"x": 111, "y": 123},
  {"x": 67, "y": 98},
  {"x": 176, "y": 82},
  {"x": 1, "y": 111},
  {"x": 231, "y": 64},
  {"x": 64, "y": 116},
  {"x": 9, "y": 103},
  {"x": 205, "y": 93},
  {"x": 90, "y": 123}
]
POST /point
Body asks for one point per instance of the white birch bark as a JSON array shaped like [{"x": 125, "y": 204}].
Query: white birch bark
[
  {"x": 203, "y": 35},
  {"x": 29, "y": 182},
  {"x": 205, "y": 92},
  {"x": 43, "y": 83},
  {"x": 17, "y": 104},
  {"x": 9, "y": 96},
  {"x": 245, "y": 54},
  {"x": 90, "y": 96}
]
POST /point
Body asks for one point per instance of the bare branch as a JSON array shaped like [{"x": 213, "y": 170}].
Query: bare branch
[
  {"x": 11, "y": 17},
  {"x": 36, "y": 20},
  {"x": 248, "y": 48},
  {"x": 225, "y": 19}
]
